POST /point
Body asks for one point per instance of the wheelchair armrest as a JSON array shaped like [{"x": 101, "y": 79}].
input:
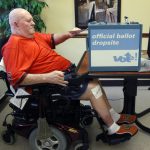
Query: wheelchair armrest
[
  {"x": 45, "y": 89},
  {"x": 38, "y": 85}
]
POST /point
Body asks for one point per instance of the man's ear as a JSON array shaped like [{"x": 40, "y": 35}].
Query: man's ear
[{"x": 15, "y": 24}]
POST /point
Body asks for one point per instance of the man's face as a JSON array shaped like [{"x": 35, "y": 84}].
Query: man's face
[{"x": 26, "y": 25}]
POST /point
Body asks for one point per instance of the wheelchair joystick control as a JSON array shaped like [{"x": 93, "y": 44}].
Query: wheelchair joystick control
[
  {"x": 69, "y": 77},
  {"x": 75, "y": 79}
]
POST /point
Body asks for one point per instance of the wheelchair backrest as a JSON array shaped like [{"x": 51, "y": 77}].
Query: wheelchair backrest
[{"x": 3, "y": 74}]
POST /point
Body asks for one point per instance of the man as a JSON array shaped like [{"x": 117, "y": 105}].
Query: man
[{"x": 29, "y": 59}]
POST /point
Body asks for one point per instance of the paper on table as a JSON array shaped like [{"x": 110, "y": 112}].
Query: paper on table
[{"x": 145, "y": 65}]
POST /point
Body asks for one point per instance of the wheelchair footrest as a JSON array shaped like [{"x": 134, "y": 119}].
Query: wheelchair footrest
[{"x": 112, "y": 139}]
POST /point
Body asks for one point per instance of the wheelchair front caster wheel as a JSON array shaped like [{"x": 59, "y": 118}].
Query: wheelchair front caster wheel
[
  {"x": 79, "y": 145},
  {"x": 86, "y": 116},
  {"x": 88, "y": 120},
  {"x": 57, "y": 141},
  {"x": 8, "y": 137}
]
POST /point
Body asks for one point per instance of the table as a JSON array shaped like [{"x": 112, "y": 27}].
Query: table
[{"x": 129, "y": 86}]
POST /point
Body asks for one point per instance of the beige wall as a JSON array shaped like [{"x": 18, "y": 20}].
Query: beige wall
[
  {"x": 136, "y": 10},
  {"x": 59, "y": 17}
]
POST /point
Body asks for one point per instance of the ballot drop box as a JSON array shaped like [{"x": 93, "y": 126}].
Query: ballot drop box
[{"x": 114, "y": 47}]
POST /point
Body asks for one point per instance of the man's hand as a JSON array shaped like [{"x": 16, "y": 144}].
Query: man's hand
[
  {"x": 74, "y": 32},
  {"x": 59, "y": 38},
  {"x": 56, "y": 77}
]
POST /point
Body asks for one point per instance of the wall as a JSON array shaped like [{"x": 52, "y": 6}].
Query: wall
[
  {"x": 59, "y": 17},
  {"x": 136, "y": 10}
]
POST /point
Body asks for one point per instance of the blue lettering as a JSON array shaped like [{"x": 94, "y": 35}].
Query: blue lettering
[
  {"x": 117, "y": 58},
  {"x": 120, "y": 59},
  {"x": 126, "y": 58}
]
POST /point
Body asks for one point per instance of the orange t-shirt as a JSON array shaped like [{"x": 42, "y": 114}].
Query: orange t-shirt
[{"x": 24, "y": 55}]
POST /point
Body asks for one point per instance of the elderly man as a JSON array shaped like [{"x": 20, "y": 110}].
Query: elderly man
[{"x": 29, "y": 58}]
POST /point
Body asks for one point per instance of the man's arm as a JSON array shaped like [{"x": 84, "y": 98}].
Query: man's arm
[
  {"x": 59, "y": 38},
  {"x": 55, "y": 77}
]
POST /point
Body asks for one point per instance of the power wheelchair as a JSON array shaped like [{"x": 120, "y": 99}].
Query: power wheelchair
[{"x": 66, "y": 117}]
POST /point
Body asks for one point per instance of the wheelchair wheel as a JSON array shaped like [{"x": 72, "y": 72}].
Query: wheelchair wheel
[
  {"x": 87, "y": 120},
  {"x": 78, "y": 145},
  {"x": 8, "y": 137},
  {"x": 57, "y": 141},
  {"x": 86, "y": 116}
]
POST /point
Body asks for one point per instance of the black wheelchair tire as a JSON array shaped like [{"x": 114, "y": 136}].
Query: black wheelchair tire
[
  {"x": 8, "y": 138},
  {"x": 59, "y": 136},
  {"x": 78, "y": 145}
]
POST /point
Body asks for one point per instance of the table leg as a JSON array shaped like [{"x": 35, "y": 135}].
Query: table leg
[{"x": 130, "y": 92}]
